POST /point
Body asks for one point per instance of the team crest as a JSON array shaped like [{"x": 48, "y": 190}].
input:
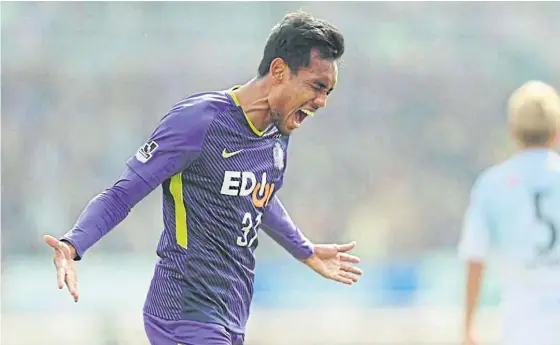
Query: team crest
[
  {"x": 278, "y": 154},
  {"x": 145, "y": 153}
]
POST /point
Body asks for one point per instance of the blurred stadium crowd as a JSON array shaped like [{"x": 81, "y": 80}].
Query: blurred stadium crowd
[{"x": 419, "y": 110}]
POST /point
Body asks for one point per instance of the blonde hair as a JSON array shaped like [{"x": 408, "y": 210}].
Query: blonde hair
[{"x": 534, "y": 113}]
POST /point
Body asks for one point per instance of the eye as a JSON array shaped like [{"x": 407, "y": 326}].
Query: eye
[
  {"x": 316, "y": 87},
  {"x": 320, "y": 86}
]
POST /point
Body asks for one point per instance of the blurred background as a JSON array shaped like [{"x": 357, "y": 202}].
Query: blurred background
[{"x": 418, "y": 112}]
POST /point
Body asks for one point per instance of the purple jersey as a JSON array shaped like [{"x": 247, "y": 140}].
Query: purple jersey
[{"x": 219, "y": 176}]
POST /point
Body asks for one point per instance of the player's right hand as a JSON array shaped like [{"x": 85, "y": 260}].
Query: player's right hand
[{"x": 63, "y": 259}]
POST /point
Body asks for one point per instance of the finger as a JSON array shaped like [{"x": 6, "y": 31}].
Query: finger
[
  {"x": 52, "y": 242},
  {"x": 346, "y": 247},
  {"x": 342, "y": 280},
  {"x": 351, "y": 269},
  {"x": 349, "y": 258},
  {"x": 349, "y": 276},
  {"x": 60, "y": 275},
  {"x": 72, "y": 283},
  {"x": 60, "y": 264}
]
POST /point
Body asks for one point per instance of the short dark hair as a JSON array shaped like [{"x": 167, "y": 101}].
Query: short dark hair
[{"x": 295, "y": 36}]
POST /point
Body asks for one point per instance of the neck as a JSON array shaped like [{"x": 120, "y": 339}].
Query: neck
[{"x": 253, "y": 99}]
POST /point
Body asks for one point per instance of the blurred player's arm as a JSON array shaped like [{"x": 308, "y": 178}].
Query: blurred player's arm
[
  {"x": 473, "y": 250},
  {"x": 329, "y": 260},
  {"x": 474, "y": 279},
  {"x": 174, "y": 144}
]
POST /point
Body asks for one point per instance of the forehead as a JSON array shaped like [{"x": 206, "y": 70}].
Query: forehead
[{"x": 320, "y": 69}]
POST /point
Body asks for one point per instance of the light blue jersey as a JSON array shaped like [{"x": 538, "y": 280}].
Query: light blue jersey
[{"x": 514, "y": 216}]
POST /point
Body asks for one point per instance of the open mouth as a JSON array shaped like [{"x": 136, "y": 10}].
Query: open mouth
[{"x": 301, "y": 115}]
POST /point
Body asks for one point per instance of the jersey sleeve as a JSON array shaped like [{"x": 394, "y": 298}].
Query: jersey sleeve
[
  {"x": 280, "y": 227},
  {"x": 174, "y": 144},
  {"x": 474, "y": 243},
  {"x": 106, "y": 211}
]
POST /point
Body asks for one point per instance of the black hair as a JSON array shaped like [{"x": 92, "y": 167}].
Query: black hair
[{"x": 294, "y": 38}]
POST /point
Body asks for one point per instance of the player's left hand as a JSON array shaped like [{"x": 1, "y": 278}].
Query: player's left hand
[{"x": 332, "y": 262}]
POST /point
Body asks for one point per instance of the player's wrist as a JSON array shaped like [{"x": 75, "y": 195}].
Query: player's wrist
[
  {"x": 309, "y": 254},
  {"x": 312, "y": 261},
  {"x": 70, "y": 249}
]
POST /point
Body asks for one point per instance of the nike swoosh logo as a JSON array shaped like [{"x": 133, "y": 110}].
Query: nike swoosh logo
[{"x": 226, "y": 154}]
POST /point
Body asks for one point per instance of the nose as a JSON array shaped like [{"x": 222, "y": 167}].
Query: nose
[{"x": 320, "y": 101}]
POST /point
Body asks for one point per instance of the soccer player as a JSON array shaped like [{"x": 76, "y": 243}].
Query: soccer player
[
  {"x": 514, "y": 214},
  {"x": 220, "y": 158}
]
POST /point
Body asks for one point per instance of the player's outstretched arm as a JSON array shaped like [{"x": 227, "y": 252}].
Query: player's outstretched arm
[
  {"x": 100, "y": 216},
  {"x": 172, "y": 147},
  {"x": 332, "y": 261}
]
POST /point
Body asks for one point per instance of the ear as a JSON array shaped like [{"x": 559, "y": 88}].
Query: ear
[
  {"x": 513, "y": 132},
  {"x": 554, "y": 140},
  {"x": 278, "y": 69}
]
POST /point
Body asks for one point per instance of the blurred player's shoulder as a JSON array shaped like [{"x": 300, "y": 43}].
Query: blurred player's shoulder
[
  {"x": 503, "y": 174},
  {"x": 519, "y": 168},
  {"x": 553, "y": 163},
  {"x": 489, "y": 177},
  {"x": 540, "y": 160}
]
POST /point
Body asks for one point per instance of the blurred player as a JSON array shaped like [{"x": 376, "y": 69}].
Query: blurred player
[
  {"x": 220, "y": 158},
  {"x": 514, "y": 213}
]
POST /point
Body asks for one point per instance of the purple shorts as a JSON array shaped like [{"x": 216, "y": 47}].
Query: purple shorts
[{"x": 185, "y": 332}]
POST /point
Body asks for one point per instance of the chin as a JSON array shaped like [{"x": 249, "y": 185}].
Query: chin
[{"x": 282, "y": 128}]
